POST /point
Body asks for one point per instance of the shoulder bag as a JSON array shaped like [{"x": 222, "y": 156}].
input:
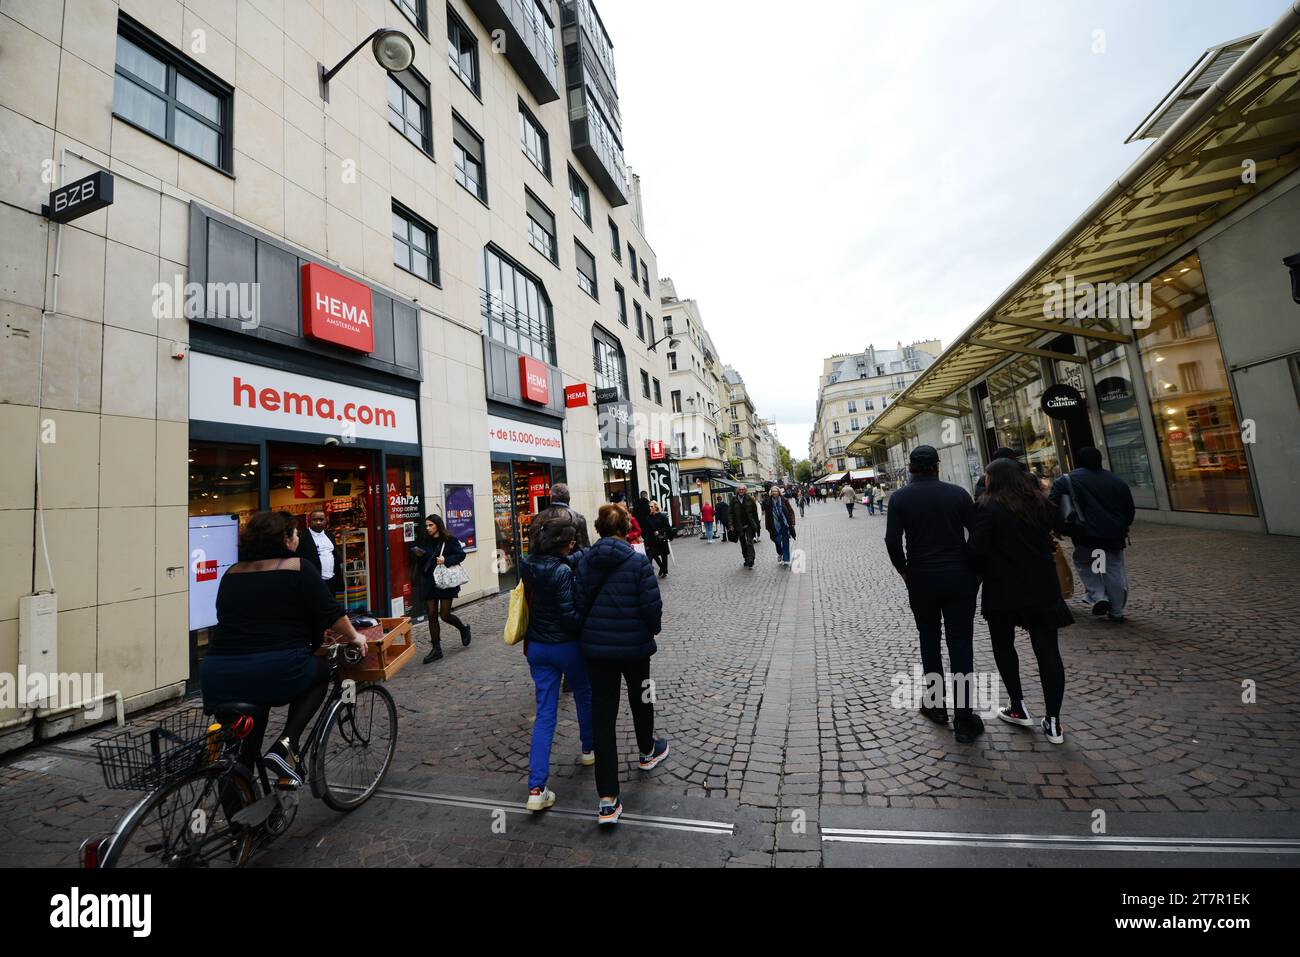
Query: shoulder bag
[
  {"x": 1071, "y": 514},
  {"x": 447, "y": 577}
]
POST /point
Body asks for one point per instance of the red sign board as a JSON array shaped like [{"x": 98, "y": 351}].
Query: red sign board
[
  {"x": 576, "y": 396},
  {"x": 1177, "y": 436},
  {"x": 657, "y": 453},
  {"x": 534, "y": 381},
  {"x": 337, "y": 309},
  {"x": 205, "y": 571},
  {"x": 307, "y": 486}
]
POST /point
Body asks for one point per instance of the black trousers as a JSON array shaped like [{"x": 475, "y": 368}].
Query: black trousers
[
  {"x": 605, "y": 678},
  {"x": 849, "y": 506},
  {"x": 943, "y": 604},
  {"x": 660, "y": 557},
  {"x": 1051, "y": 669},
  {"x": 746, "y": 539}
]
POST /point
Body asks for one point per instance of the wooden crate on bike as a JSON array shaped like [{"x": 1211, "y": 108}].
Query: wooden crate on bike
[{"x": 391, "y": 648}]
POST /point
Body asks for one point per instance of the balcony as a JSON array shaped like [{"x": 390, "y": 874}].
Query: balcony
[
  {"x": 594, "y": 120},
  {"x": 529, "y": 43}
]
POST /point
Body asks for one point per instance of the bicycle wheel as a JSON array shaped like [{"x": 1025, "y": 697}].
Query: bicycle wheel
[
  {"x": 356, "y": 748},
  {"x": 186, "y": 823}
]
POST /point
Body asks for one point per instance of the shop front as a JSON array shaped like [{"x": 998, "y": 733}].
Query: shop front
[
  {"x": 619, "y": 475},
  {"x": 527, "y": 461}
]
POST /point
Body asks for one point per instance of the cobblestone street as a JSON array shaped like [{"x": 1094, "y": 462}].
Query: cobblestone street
[{"x": 774, "y": 688}]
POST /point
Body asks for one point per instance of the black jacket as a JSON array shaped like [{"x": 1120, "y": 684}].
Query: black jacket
[
  {"x": 641, "y": 512},
  {"x": 273, "y": 610},
  {"x": 553, "y": 617},
  {"x": 308, "y": 552},
  {"x": 618, "y": 597},
  {"x": 655, "y": 532},
  {"x": 579, "y": 524},
  {"x": 1106, "y": 503},
  {"x": 935, "y": 517},
  {"x": 721, "y": 512},
  {"x": 1015, "y": 559},
  {"x": 743, "y": 516}
]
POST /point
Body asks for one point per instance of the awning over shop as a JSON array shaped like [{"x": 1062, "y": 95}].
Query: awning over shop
[
  {"x": 862, "y": 475},
  {"x": 832, "y": 479},
  {"x": 723, "y": 483},
  {"x": 1190, "y": 179}
]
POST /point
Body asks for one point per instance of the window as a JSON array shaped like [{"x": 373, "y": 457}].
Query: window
[
  {"x": 408, "y": 108},
  {"x": 468, "y": 147},
  {"x": 631, "y": 258},
  {"x": 165, "y": 94},
  {"x": 537, "y": 146},
  {"x": 645, "y": 383},
  {"x": 462, "y": 51},
  {"x": 415, "y": 245},
  {"x": 414, "y": 10},
  {"x": 586, "y": 270},
  {"x": 516, "y": 307},
  {"x": 611, "y": 369},
  {"x": 836, "y": 426},
  {"x": 615, "y": 242},
  {"x": 659, "y": 396},
  {"x": 677, "y": 401},
  {"x": 653, "y": 338},
  {"x": 640, "y": 320},
  {"x": 839, "y": 464},
  {"x": 579, "y": 196},
  {"x": 679, "y": 443},
  {"x": 672, "y": 361},
  {"x": 668, "y": 326},
  {"x": 622, "y": 303},
  {"x": 645, "y": 276},
  {"x": 541, "y": 227},
  {"x": 853, "y": 407},
  {"x": 853, "y": 424}
]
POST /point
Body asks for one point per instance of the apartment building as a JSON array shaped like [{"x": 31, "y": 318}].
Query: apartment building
[
  {"x": 378, "y": 297},
  {"x": 769, "y": 452},
  {"x": 741, "y": 431}
]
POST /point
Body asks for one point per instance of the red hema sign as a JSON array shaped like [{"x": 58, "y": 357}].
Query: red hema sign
[
  {"x": 576, "y": 396},
  {"x": 534, "y": 381},
  {"x": 336, "y": 309}
]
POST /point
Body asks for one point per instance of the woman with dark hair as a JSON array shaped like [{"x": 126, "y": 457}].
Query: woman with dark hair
[
  {"x": 552, "y": 646},
  {"x": 656, "y": 532},
  {"x": 1012, "y": 548},
  {"x": 440, "y": 548},
  {"x": 272, "y": 613}
]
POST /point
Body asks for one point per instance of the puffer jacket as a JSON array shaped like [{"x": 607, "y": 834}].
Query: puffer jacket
[
  {"x": 619, "y": 597},
  {"x": 553, "y": 617}
]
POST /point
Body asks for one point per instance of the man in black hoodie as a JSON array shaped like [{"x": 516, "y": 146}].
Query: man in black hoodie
[{"x": 1103, "y": 504}]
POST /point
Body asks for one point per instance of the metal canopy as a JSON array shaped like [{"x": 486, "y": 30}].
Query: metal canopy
[{"x": 1240, "y": 137}]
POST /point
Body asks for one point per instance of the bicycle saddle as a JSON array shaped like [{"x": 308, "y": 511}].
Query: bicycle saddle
[{"x": 235, "y": 709}]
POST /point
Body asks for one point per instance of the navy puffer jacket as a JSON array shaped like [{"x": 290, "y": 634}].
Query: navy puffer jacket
[
  {"x": 625, "y": 613},
  {"x": 553, "y": 618}
]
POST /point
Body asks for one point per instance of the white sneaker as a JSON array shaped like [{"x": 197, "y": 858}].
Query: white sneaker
[
  {"x": 587, "y": 758},
  {"x": 539, "y": 799},
  {"x": 1052, "y": 728}
]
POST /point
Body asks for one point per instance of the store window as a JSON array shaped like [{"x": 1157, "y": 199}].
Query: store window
[
  {"x": 1020, "y": 423},
  {"x": 1121, "y": 422},
  {"x": 406, "y": 513},
  {"x": 1197, "y": 427},
  {"x": 520, "y": 490}
]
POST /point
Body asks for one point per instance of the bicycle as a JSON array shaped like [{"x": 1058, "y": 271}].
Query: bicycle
[{"x": 205, "y": 808}]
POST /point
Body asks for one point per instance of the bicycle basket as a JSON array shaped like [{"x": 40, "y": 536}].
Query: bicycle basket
[{"x": 141, "y": 760}]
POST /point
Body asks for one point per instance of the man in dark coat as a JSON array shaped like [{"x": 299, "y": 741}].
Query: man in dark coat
[
  {"x": 641, "y": 511},
  {"x": 319, "y": 548},
  {"x": 1104, "y": 502},
  {"x": 721, "y": 511},
  {"x": 935, "y": 518},
  {"x": 560, "y": 498},
  {"x": 743, "y": 524}
]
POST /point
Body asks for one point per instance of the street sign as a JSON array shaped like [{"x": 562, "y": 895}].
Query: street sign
[{"x": 80, "y": 198}]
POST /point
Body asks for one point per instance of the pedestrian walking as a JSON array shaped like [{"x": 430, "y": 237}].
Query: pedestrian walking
[
  {"x": 641, "y": 511},
  {"x": 657, "y": 532},
  {"x": 849, "y": 497},
  {"x": 742, "y": 523},
  {"x": 882, "y": 497},
  {"x": 778, "y": 518},
  {"x": 553, "y": 647},
  {"x": 934, "y": 518},
  {"x": 1012, "y": 549},
  {"x": 619, "y": 601},
  {"x": 802, "y": 497},
  {"x": 440, "y": 549},
  {"x": 1101, "y": 512},
  {"x": 707, "y": 519},
  {"x": 871, "y": 500},
  {"x": 998, "y": 455},
  {"x": 560, "y": 498},
  {"x": 722, "y": 511}
]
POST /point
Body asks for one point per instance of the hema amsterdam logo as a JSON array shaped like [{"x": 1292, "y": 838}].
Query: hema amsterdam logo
[{"x": 76, "y": 910}]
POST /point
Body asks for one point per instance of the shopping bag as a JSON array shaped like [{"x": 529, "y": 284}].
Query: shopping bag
[
  {"x": 639, "y": 548},
  {"x": 1063, "y": 572},
  {"x": 517, "y": 616}
]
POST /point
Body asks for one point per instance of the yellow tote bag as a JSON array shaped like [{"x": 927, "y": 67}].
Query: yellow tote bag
[{"x": 517, "y": 617}]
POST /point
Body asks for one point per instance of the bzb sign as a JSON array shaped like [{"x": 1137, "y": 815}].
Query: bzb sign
[{"x": 77, "y": 199}]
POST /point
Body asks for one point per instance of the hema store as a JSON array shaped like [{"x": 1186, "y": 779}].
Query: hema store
[{"x": 309, "y": 405}]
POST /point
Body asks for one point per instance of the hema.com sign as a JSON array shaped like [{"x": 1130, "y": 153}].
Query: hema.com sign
[{"x": 239, "y": 393}]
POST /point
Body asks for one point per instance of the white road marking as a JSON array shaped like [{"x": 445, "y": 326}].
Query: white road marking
[{"x": 1068, "y": 842}]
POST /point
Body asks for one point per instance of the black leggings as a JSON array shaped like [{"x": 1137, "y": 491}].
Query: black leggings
[
  {"x": 441, "y": 610},
  {"x": 301, "y": 710},
  {"x": 1051, "y": 669}
]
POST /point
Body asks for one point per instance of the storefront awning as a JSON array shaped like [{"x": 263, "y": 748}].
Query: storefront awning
[
  {"x": 832, "y": 479},
  {"x": 723, "y": 483},
  {"x": 1190, "y": 179},
  {"x": 862, "y": 475}
]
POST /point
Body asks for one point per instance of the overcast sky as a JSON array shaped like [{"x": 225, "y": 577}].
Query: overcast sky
[{"x": 829, "y": 175}]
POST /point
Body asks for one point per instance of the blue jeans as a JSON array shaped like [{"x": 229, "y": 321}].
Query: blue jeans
[
  {"x": 871, "y": 508},
  {"x": 783, "y": 543},
  {"x": 548, "y": 663},
  {"x": 708, "y": 530}
]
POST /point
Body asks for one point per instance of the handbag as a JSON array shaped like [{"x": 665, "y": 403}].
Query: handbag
[
  {"x": 517, "y": 616},
  {"x": 1071, "y": 514},
  {"x": 447, "y": 577}
]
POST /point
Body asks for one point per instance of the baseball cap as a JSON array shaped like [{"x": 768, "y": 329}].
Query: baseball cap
[{"x": 924, "y": 455}]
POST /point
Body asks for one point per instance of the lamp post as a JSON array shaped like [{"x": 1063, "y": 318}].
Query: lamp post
[
  {"x": 673, "y": 343},
  {"x": 392, "y": 49}
]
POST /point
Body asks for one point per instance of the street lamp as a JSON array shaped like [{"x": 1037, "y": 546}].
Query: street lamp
[
  {"x": 672, "y": 343},
  {"x": 392, "y": 49}
]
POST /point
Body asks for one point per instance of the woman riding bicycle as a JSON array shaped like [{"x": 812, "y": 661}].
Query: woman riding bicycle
[{"x": 272, "y": 613}]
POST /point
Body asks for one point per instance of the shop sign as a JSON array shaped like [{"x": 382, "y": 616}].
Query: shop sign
[
  {"x": 214, "y": 547},
  {"x": 77, "y": 199},
  {"x": 239, "y": 393},
  {"x": 524, "y": 441},
  {"x": 1177, "y": 436},
  {"x": 337, "y": 309},
  {"x": 617, "y": 425},
  {"x": 458, "y": 511},
  {"x": 306, "y": 486},
  {"x": 619, "y": 464},
  {"x": 535, "y": 383},
  {"x": 576, "y": 396},
  {"x": 657, "y": 451},
  {"x": 1062, "y": 401},
  {"x": 1115, "y": 394},
  {"x": 606, "y": 396}
]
